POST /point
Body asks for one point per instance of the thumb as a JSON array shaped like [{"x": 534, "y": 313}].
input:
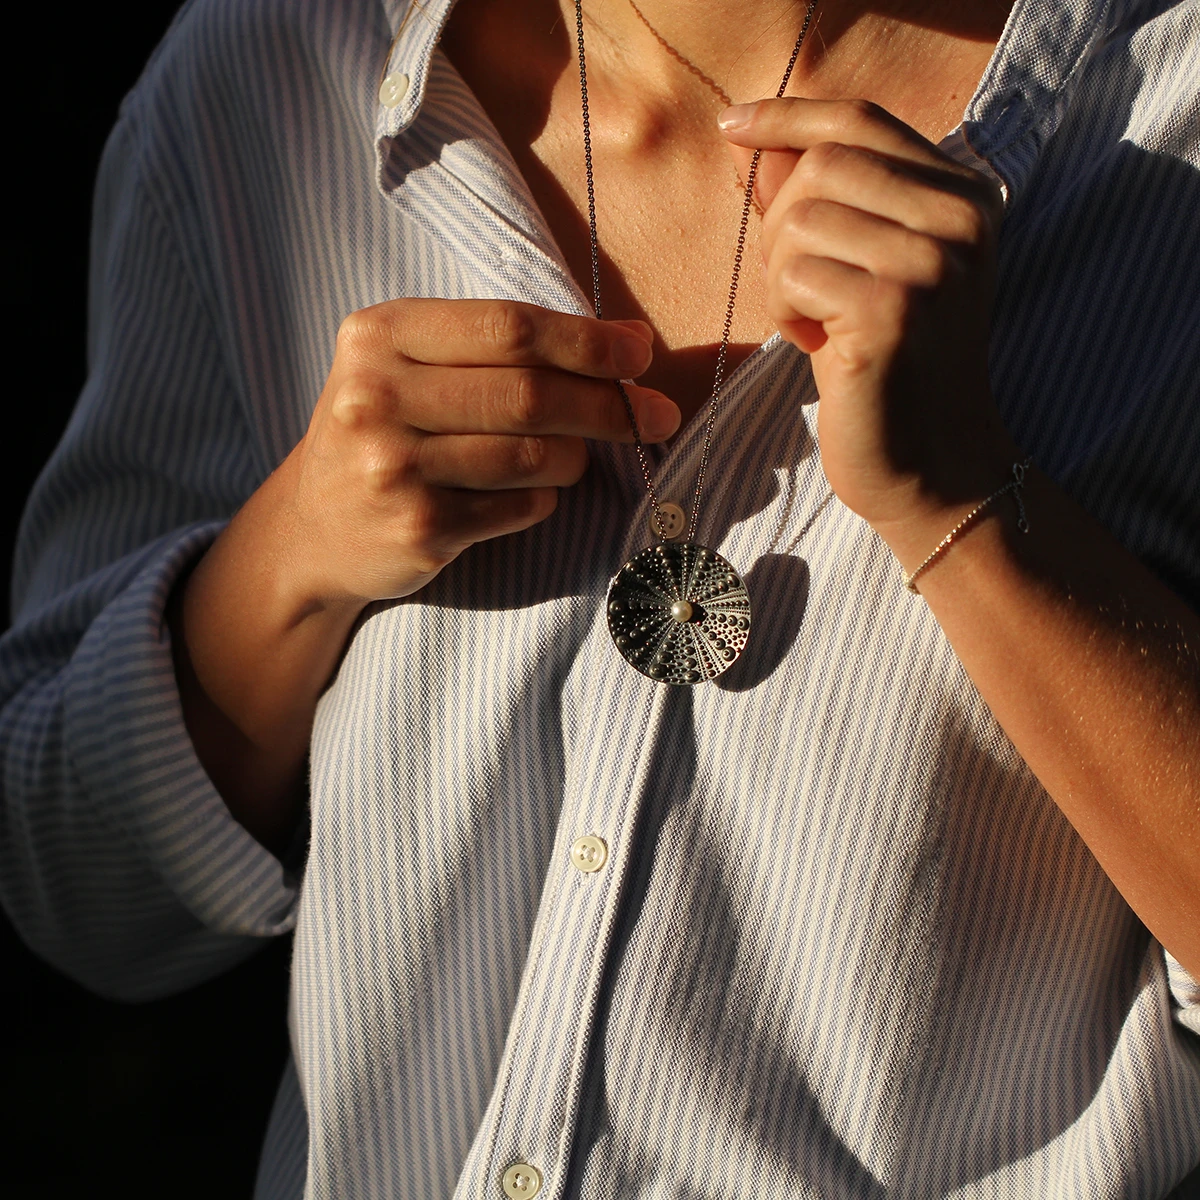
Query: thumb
[{"x": 774, "y": 167}]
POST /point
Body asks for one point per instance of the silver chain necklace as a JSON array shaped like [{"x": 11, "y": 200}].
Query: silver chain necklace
[{"x": 678, "y": 612}]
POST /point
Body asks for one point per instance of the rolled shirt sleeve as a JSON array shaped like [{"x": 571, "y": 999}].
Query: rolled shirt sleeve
[{"x": 119, "y": 862}]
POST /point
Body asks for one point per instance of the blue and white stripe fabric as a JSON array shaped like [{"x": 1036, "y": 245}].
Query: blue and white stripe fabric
[{"x": 843, "y": 945}]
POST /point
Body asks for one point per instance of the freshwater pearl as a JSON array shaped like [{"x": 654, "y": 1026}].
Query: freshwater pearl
[{"x": 681, "y": 611}]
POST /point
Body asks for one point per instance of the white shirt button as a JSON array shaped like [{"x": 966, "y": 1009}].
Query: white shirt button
[
  {"x": 588, "y": 853},
  {"x": 521, "y": 1181},
  {"x": 672, "y": 520},
  {"x": 393, "y": 89}
]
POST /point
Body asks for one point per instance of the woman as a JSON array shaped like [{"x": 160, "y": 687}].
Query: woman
[{"x": 561, "y": 930}]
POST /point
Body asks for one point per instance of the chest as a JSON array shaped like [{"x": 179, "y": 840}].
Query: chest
[
  {"x": 668, "y": 205},
  {"x": 667, "y": 220}
]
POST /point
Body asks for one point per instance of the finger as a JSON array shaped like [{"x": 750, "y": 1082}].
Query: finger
[
  {"x": 469, "y": 333},
  {"x": 774, "y": 168},
  {"x": 437, "y": 524},
  {"x": 817, "y": 289},
  {"x": 846, "y": 303},
  {"x": 927, "y": 199},
  {"x": 827, "y": 229},
  {"x": 489, "y": 462},
  {"x": 511, "y": 400},
  {"x": 795, "y": 123},
  {"x": 494, "y": 514}
]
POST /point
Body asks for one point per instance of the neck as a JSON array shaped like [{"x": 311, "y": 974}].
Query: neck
[
  {"x": 920, "y": 59},
  {"x": 850, "y": 41},
  {"x": 744, "y": 67}
]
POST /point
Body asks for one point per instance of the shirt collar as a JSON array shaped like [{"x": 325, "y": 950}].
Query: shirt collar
[
  {"x": 1027, "y": 86},
  {"x": 416, "y": 27}
]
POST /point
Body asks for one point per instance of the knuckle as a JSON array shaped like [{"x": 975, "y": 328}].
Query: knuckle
[
  {"x": 818, "y": 160},
  {"x": 931, "y": 262},
  {"x": 528, "y": 401},
  {"x": 588, "y": 342},
  {"x": 423, "y": 534},
  {"x": 384, "y": 466},
  {"x": 531, "y": 455},
  {"x": 968, "y": 222},
  {"x": 859, "y": 112},
  {"x": 361, "y": 331},
  {"x": 361, "y": 400},
  {"x": 892, "y": 302},
  {"x": 938, "y": 261},
  {"x": 564, "y": 462},
  {"x": 376, "y": 475},
  {"x": 529, "y": 506},
  {"x": 429, "y": 562},
  {"x": 507, "y": 326},
  {"x": 801, "y": 215},
  {"x": 792, "y": 275}
]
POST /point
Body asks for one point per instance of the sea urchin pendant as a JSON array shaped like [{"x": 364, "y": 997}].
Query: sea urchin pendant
[{"x": 679, "y": 613}]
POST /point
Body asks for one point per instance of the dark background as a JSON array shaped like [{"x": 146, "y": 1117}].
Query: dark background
[{"x": 168, "y": 1099}]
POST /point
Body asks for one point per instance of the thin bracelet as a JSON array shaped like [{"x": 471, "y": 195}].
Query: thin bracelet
[{"x": 1014, "y": 486}]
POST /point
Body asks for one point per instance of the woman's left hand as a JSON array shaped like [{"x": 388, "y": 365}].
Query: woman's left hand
[
  {"x": 879, "y": 254},
  {"x": 880, "y": 257}
]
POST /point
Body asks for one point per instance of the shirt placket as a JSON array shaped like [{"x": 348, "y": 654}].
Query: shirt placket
[{"x": 525, "y": 1144}]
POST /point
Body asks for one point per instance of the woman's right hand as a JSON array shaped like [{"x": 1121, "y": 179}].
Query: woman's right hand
[
  {"x": 447, "y": 422},
  {"x": 443, "y": 423}
]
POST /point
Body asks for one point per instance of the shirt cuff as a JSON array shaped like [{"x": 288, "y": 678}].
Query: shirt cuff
[
  {"x": 133, "y": 756},
  {"x": 1186, "y": 991}
]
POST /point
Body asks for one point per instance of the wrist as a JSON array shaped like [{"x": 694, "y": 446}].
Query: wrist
[
  {"x": 970, "y": 491},
  {"x": 262, "y": 635},
  {"x": 276, "y": 531},
  {"x": 254, "y": 646},
  {"x": 1015, "y": 488}
]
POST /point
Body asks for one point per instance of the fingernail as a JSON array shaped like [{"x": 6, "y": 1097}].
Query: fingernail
[
  {"x": 658, "y": 418},
  {"x": 631, "y": 355},
  {"x": 737, "y": 116}
]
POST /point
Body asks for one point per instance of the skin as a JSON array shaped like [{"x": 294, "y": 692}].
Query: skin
[{"x": 444, "y": 423}]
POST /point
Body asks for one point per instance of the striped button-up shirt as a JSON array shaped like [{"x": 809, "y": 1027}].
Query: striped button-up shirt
[{"x": 842, "y": 943}]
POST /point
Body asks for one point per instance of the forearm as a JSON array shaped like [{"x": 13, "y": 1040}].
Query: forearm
[
  {"x": 253, "y": 652},
  {"x": 880, "y": 254},
  {"x": 1092, "y": 667}
]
